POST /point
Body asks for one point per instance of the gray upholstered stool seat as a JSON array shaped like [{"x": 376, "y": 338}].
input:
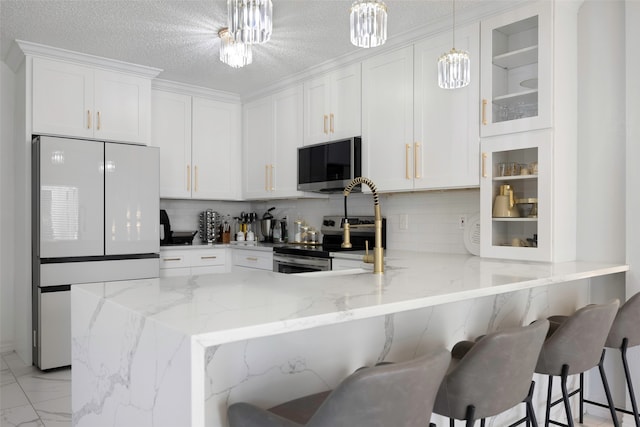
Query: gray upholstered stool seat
[
  {"x": 491, "y": 375},
  {"x": 574, "y": 345},
  {"x": 397, "y": 394},
  {"x": 624, "y": 333}
]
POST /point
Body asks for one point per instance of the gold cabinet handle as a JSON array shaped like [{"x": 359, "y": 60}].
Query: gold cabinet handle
[
  {"x": 172, "y": 259},
  {"x": 484, "y": 112},
  {"x": 188, "y": 177},
  {"x": 272, "y": 186},
  {"x": 484, "y": 165},
  {"x": 88, "y": 119},
  {"x": 407, "y": 148},
  {"x": 209, "y": 257},
  {"x": 416, "y": 158},
  {"x": 98, "y": 127},
  {"x": 266, "y": 178},
  {"x": 195, "y": 187},
  {"x": 324, "y": 125},
  {"x": 251, "y": 258},
  {"x": 331, "y": 122}
]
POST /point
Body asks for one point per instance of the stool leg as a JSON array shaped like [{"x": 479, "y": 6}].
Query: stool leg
[
  {"x": 482, "y": 421},
  {"x": 470, "y": 416},
  {"x": 581, "y": 400},
  {"x": 607, "y": 390},
  {"x": 627, "y": 374},
  {"x": 531, "y": 414},
  {"x": 565, "y": 394},
  {"x": 548, "y": 411}
]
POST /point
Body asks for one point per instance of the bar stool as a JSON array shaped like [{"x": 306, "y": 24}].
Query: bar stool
[
  {"x": 491, "y": 375},
  {"x": 573, "y": 346},
  {"x": 396, "y": 394},
  {"x": 624, "y": 333}
]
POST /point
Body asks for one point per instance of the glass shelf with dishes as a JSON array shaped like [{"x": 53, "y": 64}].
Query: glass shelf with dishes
[
  {"x": 515, "y": 71},
  {"x": 514, "y": 191}
]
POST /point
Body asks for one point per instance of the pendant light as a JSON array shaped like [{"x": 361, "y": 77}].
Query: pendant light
[
  {"x": 368, "y": 23},
  {"x": 234, "y": 53},
  {"x": 454, "y": 67},
  {"x": 250, "y": 21}
]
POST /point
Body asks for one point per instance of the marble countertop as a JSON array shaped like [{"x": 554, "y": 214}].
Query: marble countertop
[{"x": 222, "y": 308}]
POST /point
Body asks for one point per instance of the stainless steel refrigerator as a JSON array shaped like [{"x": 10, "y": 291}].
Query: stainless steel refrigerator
[{"x": 95, "y": 213}]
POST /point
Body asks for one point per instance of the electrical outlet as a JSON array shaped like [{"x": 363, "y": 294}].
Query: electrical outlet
[
  {"x": 462, "y": 221},
  {"x": 404, "y": 222}
]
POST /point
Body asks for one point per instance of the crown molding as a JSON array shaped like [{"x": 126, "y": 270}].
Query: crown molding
[
  {"x": 187, "y": 89},
  {"x": 36, "y": 49}
]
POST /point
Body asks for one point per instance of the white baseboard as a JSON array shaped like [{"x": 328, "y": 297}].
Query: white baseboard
[{"x": 6, "y": 347}]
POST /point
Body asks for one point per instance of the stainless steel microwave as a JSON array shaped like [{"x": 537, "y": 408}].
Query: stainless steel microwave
[{"x": 329, "y": 166}]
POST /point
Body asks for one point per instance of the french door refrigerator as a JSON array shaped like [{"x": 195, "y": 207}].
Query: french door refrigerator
[{"x": 95, "y": 218}]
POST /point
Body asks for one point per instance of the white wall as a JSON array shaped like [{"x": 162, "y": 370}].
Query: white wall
[
  {"x": 7, "y": 87},
  {"x": 601, "y": 162}
]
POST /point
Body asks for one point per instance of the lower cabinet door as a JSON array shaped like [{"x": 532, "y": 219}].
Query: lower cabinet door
[{"x": 54, "y": 328}]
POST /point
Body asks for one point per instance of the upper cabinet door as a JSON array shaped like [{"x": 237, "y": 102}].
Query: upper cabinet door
[
  {"x": 122, "y": 106},
  {"x": 332, "y": 105},
  {"x": 171, "y": 132},
  {"x": 258, "y": 143},
  {"x": 287, "y": 134},
  {"x": 73, "y": 100},
  {"x": 387, "y": 119},
  {"x": 216, "y": 150},
  {"x": 132, "y": 199},
  {"x": 71, "y": 197},
  {"x": 62, "y": 98},
  {"x": 346, "y": 100},
  {"x": 446, "y": 135},
  {"x": 516, "y": 71}
]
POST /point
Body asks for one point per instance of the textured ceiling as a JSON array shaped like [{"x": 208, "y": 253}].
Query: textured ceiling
[{"x": 180, "y": 36}]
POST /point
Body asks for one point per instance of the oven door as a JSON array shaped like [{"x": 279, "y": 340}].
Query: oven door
[{"x": 291, "y": 264}]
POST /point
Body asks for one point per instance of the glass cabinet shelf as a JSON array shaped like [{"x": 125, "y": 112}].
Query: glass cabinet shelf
[
  {"x": 515, "y": 219},
  {"x": 514, "y": 177},
  {"x": 517, "y": 58},
  {"x": 529, "y": 96}
]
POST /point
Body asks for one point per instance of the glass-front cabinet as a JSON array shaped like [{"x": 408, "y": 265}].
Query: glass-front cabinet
[
  {"x": 515, "y": 196},
  {"x": 516, "y": 71}
]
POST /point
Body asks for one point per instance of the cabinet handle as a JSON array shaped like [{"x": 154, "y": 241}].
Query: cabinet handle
[
  {"x": 484, "y": 112},
  {"x": 266, "y": 178},
  {"x": 188, "y": 178},
  {"x": 272, "y": 186},
  {"x": 251, "y": 258},
  {"x": 209, "y": 257},
  {"x": 88, "y": 119},
  {"x": 416, "y": 150},
  {"x": 407, "y": 147},
  {"x": 195, "y": 168},
  {"x": 98, "y": 127},
  {"x": 484, "y": 165},
  {"x": 324, "y": 125},
  {"x": 172, "y": 259},
  {"x": 331, "y": 122}
]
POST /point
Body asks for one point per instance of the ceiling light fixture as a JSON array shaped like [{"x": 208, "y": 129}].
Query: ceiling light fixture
[
  {"x": 250, "y": 21},
  {"x": 454, "y": 67},
  {"x": 368, "y": 23},
  {"x": 234, "y": 53}
]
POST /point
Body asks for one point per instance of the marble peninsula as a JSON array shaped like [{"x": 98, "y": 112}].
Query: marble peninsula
[{"x": 176, "y": 351}]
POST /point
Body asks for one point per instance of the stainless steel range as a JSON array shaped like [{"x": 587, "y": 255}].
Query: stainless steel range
[{"x": 307, "y": 258}]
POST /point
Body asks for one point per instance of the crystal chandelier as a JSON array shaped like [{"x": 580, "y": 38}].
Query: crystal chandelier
[
  {"x": 368, "y": 23},
  {"x": 250, "y": 21},
  {"x": 233, "y": 53},
  {"x": 454, "y": 67}
]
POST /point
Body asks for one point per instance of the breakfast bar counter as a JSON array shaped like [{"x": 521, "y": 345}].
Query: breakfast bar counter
[{"x": 177, "y": 350}]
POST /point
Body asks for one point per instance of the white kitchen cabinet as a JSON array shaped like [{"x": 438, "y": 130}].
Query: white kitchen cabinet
[
  {"x": 517, "y": 71},
  {"x": 332, "y": 105},
  {"x": 200, "y": 146},
  {"x": 192, "y": 261},
  {"x": 272, "y": 133},
  {"x": 445, "y": 151},
  {"x": 387, "y": 119},
  {"x": 247, "y": 258},
  {"x": 85, "y": 102},
  {"x": 527, "y": 236}
]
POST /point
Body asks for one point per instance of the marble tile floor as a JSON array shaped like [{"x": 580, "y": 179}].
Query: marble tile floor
[{"x": 32, "y": 398}]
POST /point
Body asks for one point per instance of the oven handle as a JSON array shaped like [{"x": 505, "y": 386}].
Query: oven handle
[{"x": 295, "y": 260}]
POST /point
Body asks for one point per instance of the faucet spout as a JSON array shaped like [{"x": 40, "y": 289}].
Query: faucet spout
[{"x": 378, "y": 254}]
